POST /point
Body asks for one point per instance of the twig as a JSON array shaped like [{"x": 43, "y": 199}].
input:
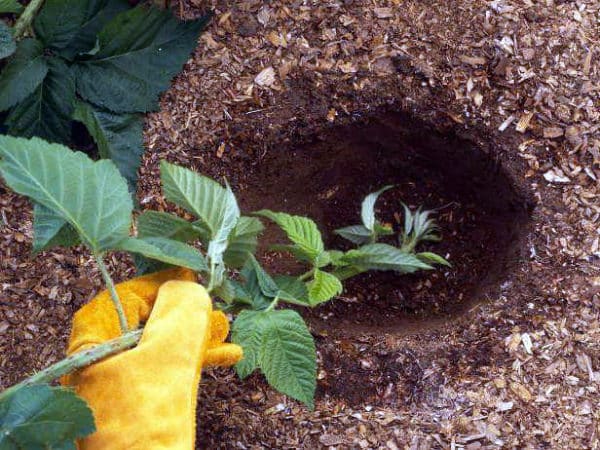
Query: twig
[
  {"x": 113, "y": 293},
  {"x": 26, "y": 17},
  {"x": 77, "y": 361}
]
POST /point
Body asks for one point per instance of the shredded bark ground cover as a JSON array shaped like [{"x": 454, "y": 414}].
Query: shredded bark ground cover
[{"x": 502, "y": 350}]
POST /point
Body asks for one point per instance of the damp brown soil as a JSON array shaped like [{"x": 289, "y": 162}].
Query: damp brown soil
[{"x": 482, "y": 214}]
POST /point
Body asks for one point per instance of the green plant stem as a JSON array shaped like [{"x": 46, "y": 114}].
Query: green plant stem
[
  {"x": 113, "y": 293},
  {"x": 27, "y": 17},
  {"x": 273, "y": 304},
  {"x": 307, "y": 275},
  {"x": 78, "y": 361}
]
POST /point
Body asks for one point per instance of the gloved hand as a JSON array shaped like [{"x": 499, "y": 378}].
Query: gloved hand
[{"x": 145, "y": 398}]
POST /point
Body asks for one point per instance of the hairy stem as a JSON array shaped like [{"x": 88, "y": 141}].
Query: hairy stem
[
  {"x": 27, "y": 17},
  {"x": 78, "y": 361},
  {"x": 113, "y": 293}
]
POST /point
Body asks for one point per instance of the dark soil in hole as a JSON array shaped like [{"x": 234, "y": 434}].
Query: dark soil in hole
[{"x": 481, "y": 214}]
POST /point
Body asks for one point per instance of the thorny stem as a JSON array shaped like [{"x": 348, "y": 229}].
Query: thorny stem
[
  {"x": 27, "y": 17},
  {"x": 113, "y": 293},
  {"x": 77, "y": 361}
]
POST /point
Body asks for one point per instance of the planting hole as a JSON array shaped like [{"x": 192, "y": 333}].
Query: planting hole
[{"x": 482, "y": 214}]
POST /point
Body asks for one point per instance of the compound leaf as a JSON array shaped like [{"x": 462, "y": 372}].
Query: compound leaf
[
  {"x": 368, "y": 208},
  {"x": 70, "y": 27},
  {"x": 302, "y": 231},
  {"x": 51, "y": 230},
  {"x": 323, "y": 287},
  {"x": 47, "y": 112},
  {"x": 91, "y": 196},
  {"x": 118, "y": 136},
  {"x": 167, "y": 251},
  {"x": 243, "y": 241},
  {"x": 7, "y": 42},
  {"x": 383, "y": 257},
  {"x": 23, "y": 73},
  {"x": 41, "y": 416},
  {"x": 288, "y": 356},
  {"x": 247, "y": 331},
  {"x": 10, "y": 7},
  {"x": 140, "y": 51}
]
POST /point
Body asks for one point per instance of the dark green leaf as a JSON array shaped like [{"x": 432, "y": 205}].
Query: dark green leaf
[
  {"x": 358, "y": 234},
  {"x": 71, "y": 26},
  {"x": 167, "y": 251},
  {"x": 43, "y": 417},
  {"x": 383, "y": 257},
  {"x": 323, "y": 287},
  {"x": 368, "y": 208},
  {"x": 7, "y": 42},
  {"x": 47, "y": 112},
  {"x": 243, "y": 240},
  {"x": 302, "y": 231},
  {"x": 247, "y": 331},
  {"x": 258, "y": 299},
  {"x": 10, "y": 6},
  {"x": 51, "y": 230},
  {"x": 140, "y": 51},
  {"x": 288, "y": 356},
  {"x": 118, "y": 136},
  {"x": 162, "y": 224},
  {"x": 23, "y": 73},
  {"x": 91, "y": 196},
  {"x": 294, "y": 287}
]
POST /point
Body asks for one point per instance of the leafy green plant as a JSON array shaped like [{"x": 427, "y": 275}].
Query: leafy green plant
[
  {"x": 80, "y": 201},
  {"x": 98, "y": 62}
]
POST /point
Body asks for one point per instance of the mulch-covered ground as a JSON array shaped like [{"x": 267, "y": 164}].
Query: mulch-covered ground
[{"x": 520, "y": 368}]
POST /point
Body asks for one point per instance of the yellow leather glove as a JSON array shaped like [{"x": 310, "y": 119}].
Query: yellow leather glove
[{"x": 145, "y": 398}]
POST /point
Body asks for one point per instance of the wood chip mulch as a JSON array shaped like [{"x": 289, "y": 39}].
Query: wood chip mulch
[{"x": 521, "y": 370}]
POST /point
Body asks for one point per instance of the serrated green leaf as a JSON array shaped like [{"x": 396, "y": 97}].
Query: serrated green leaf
[
  {"x": 91, "y": 196},
  {"x": 294, "y": 287},
  {"x": 51, "y": 230},
  {"x": 433, "y": 258},
  {"x": 357, "y": 234},
  {"x": 383, "y": 257},
  {"x": 70, "y": 27},
  {"x": 7, "y": 42},
  {"x": 40, "y": 417},
  {"x": 268, "y": 286},
  {"x": 215, "y": 205},
  {"x": 335, "y": 256},
  {"x": 162, "y": 224},
  {"x": 226, "y": 291},
  {"x": 23, "y": 73},
  {"x": 247, "y": 331},
  {"x": 302, "y": 231},
  {"x": 368, "y": 208},
  {"x": 323, "y": 287},
  {"x": 118, "y": 137},
  {"x": 258, "y": 299},
  {"x": 242, "y": 241},
  {"x": 10, "y": 7},
  {"x": 140, "y": 51},
  {"x": 167, "y": 251},
  {"x": 201, "y": 196},
  {"x": 288, "y": 356},
  {"x": 47, "y": 112}
]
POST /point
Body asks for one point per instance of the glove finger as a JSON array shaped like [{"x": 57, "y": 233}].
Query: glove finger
[
  {"x": 219, "y": 328},
  {"x": 223, "y": 355},
  {"x": 97, "y": 321}
]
